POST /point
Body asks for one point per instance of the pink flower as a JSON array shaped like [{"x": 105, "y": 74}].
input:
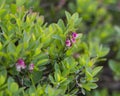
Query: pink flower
[
  {"x": 74, "y": 35},
  {"x": 31, "y": 67},
  {"x": 68, "y": 43},
  {"x": 73, "y": 40},
  {"x": 20, "y": 65}
]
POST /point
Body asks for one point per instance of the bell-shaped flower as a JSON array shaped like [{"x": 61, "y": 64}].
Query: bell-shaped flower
[
  {"x": 73, "y": 40},
  {"x": 20, "y": 65},
  {"x": 74, "y": 35},
  {"x": 31, "y": 67},
  {"x": 68, "y": 43}
]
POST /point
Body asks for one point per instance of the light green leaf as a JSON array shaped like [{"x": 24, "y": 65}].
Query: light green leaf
[
  {"x": 2, "y": 12},
  {"x": 2, "y": 80},
  {"x": 61, "y": 24},
  {"x": 14, "y": 87},
  {"x": 58, "y": 38},
  {"x": 0, "y": 45},
  {"x": 42, "y": 62},
  {"x": 11, "y": 47},
  {"x": 68, "y": 15},
  {"x": 96, "y": 70},
  {"x": 89, "y": 86},
  {"x": 20, "y": 2},
  {"x": 57, "y": 76}
]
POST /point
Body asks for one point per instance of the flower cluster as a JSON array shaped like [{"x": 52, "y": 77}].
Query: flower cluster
[
  {"x": 20, "y": 64},
  {"x": 72, "y": 39}
]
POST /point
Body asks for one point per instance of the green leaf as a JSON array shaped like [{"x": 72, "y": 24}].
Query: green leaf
[
  {"x": 77, "y": 22},
  {"x": 20, "y": 2},
  {"x": 61, "y": 24},
  {"x": 27, "y": 82},
  {"x": 51, "y": 79},
  {"x": 75, "y": 16},
  {"x": 3, "y": 72},
  {"x": 2, "y": 3},
  {"x": 56, "y": 66},
  {"x": 42, "y": 62},
  {"x": 103, "y": 51},
  {"x": 2, "y": 80},
  {"x": 58, "y": 28},
  {"x": 83, "y": 91},
  {"x": 13, "y": 8},
  {"x": 89, "y": 86},
  {"x": 93, "y": 86},
  {"x": 36, "y": 76},
  {"x": 14, "y": 87},
  {"x": 11, "y": 47},
  {"x": 96, "y": 70},
  {"x": 115, "y": 66},
  {"x": 58, "y": 38},
  {"x": 86, "y": 86},
  {"x": 88, "y": 75},
  {"x": 68, "y": 15},
  {"x": 2, "y": 12},
  {"x": 57, "y": 76},
  {"x": 117, "y": 29},
  {"x": 9, "y": 82},
  {"x": 32, "y": 90}
]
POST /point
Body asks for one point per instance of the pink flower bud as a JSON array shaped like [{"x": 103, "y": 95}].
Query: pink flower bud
[
  {"x": 73, "y": 40},
  {"x": 31, "y": 67},
  {"x": 74, "y": 35},
  {"x": 68, "y": 43},
  {"x": 20, "y": 65}
]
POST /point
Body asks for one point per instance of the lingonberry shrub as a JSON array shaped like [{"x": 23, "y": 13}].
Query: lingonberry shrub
[{"x": 37, "y": 59}]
